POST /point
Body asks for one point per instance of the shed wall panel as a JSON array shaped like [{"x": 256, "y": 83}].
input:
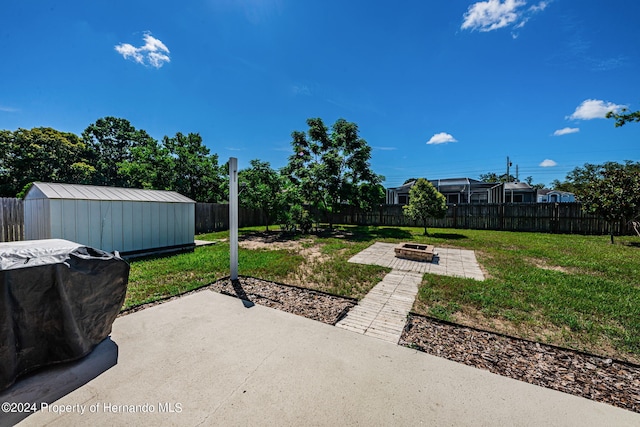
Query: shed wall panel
[
  {"x": 191, "y": 229},
  {"x": 55, "y": 218},
  {"x": 136, "y": 223},
  {"x": 68, "y": 212},
  {"x": 171, "y": 223},
  {"x": 146, "y": 225},
  {"x": 181, "y": 225},
  {"x": 155, "y": 225},
  {"x": 163, "y": 225},
  {"x": 127, "y": 224},
  {"x": 95, "y": 224},
  {"x": 117, "y": 227},
  {"x": 106, "y": 236},
  {"x": 82, "y": 217}
]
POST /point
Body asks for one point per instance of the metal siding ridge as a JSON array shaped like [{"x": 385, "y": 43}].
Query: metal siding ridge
[{"x": 96, "y": 192}]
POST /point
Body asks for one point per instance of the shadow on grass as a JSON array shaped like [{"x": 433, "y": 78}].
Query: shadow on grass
[
  {"x": 369, "y": 233},
  {"x": 448, "y": 236}
]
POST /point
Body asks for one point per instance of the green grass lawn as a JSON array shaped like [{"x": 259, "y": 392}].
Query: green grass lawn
[{"x": 576, "y": 291}]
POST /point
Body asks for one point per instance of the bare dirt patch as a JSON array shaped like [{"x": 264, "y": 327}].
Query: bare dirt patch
[
  {"x": 540, "y": 263},
  {"x": 307, "y": 248}
]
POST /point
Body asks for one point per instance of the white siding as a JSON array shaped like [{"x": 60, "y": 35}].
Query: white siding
[
  {"x": 106, "y": 236},
  {"x": 111, "y": 219},
  {"x": 127, "y": 226},
  {"x": 55, "y": 218}
]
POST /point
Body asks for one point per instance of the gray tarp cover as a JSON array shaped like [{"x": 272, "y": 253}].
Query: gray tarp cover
[{"x": 58, "y": 300}]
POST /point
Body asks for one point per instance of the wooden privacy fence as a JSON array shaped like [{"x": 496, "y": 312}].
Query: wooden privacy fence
[
  {"x": 11, "y": 220},
  {"x": 536, "y": 217},
  {"x": 215, "y": 216}
]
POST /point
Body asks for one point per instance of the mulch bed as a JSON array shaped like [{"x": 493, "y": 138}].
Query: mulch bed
[
  {"x": 601, "y": 379},
  {"x": 315, "y": 305}
]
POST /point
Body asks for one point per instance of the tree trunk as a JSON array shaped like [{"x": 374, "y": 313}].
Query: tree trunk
[{"x": 611, "y": 228}]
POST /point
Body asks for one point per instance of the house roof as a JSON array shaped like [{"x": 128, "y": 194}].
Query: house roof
[
  {"x": 562, "y": 193},
  {"x": 48, "y": 190},
  {"x": 449, "y": 185},
  {"x": 517, "y": 186},
  {"x": 404, "y": 188}
]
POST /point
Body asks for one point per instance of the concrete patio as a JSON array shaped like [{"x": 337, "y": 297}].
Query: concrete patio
[{"x": 206, "y": 359}]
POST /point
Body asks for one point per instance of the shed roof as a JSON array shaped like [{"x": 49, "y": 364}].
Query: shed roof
[{"x": 49, "y": 190}]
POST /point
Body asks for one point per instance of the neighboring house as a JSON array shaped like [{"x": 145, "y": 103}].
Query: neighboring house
[
  {"x": 519, "y": 192},
  {"x": 467, "y": 190},
  {"x": 555, "y": 196}
]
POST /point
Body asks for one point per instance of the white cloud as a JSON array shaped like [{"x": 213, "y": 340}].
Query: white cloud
[
  {"x": 539, "y": 7},
  {"x": 566, "y": 131},
  {"x": 594, "y": 109},
  {"x": 548, "y": 163},
  {"x": 153, "y": 53},
  {"x": 8, "y": 109},
  {"x": 491, "y": 15},
  {"x": 441, "y": 138}
]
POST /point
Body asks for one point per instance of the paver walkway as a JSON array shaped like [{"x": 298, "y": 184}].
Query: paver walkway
[{"x": 382, "y": 313}]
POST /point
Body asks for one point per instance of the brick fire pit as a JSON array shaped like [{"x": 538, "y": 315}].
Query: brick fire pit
[{"x": 415, "y": 251}]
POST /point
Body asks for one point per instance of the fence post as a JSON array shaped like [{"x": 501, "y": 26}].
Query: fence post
[{"x": 455, "y": 216}]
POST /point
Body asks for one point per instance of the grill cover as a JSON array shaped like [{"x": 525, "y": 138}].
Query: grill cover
[{"x": 58, "y": 300}]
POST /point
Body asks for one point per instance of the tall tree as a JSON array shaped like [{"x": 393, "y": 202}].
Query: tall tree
[
  {"x": 613, "y": 194},
  {"x": 262, "y": 189},
  {"x": 112, "y": 140},
  {"x": 577, "y": 179},
  {"x": 149, "y": 168},
  {"x": 529, "y": 180},
  {"x": 330, "y": 168},
  {"x": 624, "y": 117},
  {"x": 494, "y": 177},
  {"x": 425, "y": 202},
  {"x": 195, "y": 171},
  {"x": 41, "y": 154}
]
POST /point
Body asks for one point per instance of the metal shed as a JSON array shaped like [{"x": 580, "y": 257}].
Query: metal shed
[{"x": 127, "y": 220}]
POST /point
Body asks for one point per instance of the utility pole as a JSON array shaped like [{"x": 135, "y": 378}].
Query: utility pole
[
  {"x": 517, "y": 174},
  {"x": 504, "y": 186}
]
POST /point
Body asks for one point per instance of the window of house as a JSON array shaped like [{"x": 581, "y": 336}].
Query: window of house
[
  {"x": 403, "y": 200},
  {"x": 453, "y": 199},
  {"x": 479, "y": 198}
]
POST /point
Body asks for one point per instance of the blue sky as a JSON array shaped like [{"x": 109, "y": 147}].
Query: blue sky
[{"x": 438, "y": 88}]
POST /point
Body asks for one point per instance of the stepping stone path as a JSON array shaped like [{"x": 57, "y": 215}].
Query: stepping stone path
[{"x": 382, "y": 313}]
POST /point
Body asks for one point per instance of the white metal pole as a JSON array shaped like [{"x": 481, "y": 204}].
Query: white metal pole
[{"x": 233, "y": 217}]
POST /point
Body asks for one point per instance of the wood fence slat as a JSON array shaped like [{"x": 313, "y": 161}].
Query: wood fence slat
[
  {"x": 11, "y": 219},
  {"x": 566, "y": 218}
]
